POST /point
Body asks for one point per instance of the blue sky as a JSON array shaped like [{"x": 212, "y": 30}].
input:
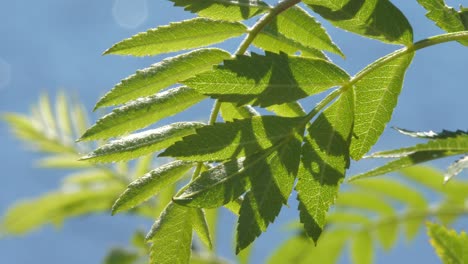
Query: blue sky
[{"x": 56, "y": 45}]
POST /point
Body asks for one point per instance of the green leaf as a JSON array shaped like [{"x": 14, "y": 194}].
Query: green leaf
[
  {"x": 445, "y": 16},
  {"x": 325, "y": 158},
  {"x": 376, "y": 97},
  {"x": 143, "y": 143},
  {"x": 54, "y": 208},
  {"x": 230, "y": 112},
  {"x": 296, "y": 24},
  {"x": 201, "y": 227},
  {"x": 243, "y": 137},
  {"x": 142, "y": 113},
  {"x": 120, "y": 256},
  {"x": 90, "y": 177},
  {"x": 184, "y": 35},
  {"x": 217, "y": 186},
  {"x": 430, "y": 134},
  {"x": 403, "y": 162},
  {"x": 171, "y": 236},
  {"x": 387, "y": 231},
  {"x": 158, "y": 76},
  {"x": 293, "y": 109},
  {"x": 377, "y": 19},
  {"x": 150, "y": 184},
  {"x": 361, "y": 248},
  {"x": 365, "y": 201},
  {"x": 268, "y": 79},
  {"x": 272, "y": 180},
  {"x": 455, "y": 145},
  {"x": 229, "y": 10},
  {"x": 456, "y": 167},
  {"x": 62, "y": 110},
  {"x": 450, "y": 246}
]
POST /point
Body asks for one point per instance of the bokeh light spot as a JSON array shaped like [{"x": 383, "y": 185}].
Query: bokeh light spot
[{"x": 130, "y": 13}]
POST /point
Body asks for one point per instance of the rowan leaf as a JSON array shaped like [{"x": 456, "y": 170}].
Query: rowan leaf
[
  {"x": 184, "y": 35},
  {"x": 376, "y": 97},
  {"x": 243, "y": 137},
  {"x": 430, "y": 134},
  {"x": 158, "y": 76},
  {"x": 229, "y": 10},
  {"x": 268, "y": 79},
  {"x": 271, "y": 180},
  {"x": 150, "y": 184},
  {"x": 325, "y": 158},
  {"x": 292, "y": 109},
  {"x": 231, "y": 112},
  {"x": 171, "y": 236},
  {"x": 445, "y": 17},
  {"x": 142, "y": 113},
  {"x": 450, "y": 246},
  {"x": 377, "y": 19},
  {"x": 64, "y": 161},
  {"x": 296, "y": 24},
  {"x": 120, "y": 256},
  {"x": 456, "y": 145},
  {"x": 143, "y": 143},
  {"x": 200, "y": 226},
  {"x": 215, "y": 187}
]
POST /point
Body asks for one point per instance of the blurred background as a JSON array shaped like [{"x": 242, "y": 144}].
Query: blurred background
[{"x": 53, "y": 45}]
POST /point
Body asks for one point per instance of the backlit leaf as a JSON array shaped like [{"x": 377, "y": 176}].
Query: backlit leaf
[
  {"x": 445, "y": 16},
  {"x": 142, "y": 113},
  {"x": 158, "y": 76},
  {"x": 456, "y": 167},
  {"x": 325, "y": 158},
  {"x": 268, "y": 79},
  {"x": 362, "y": 251},
  {"x": 271, "y": 181},
  {"x": 376, "y": 97},
  {"x": 174, "y": 222},
  {"x": 184, "y": 35},
  {"x": 450, "y": 246},
  {"x": 230, "y": 10},
  {"x": 201, "y": 227},
  {"x": 150, "y": 184},
  {"x": 142, "y": 143},
  {"x": 378, "y": 19},
  {"x": 230, "y": 112},
  {"x": 228, "y": 140}
]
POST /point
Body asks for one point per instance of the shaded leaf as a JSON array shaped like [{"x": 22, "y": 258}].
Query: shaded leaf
[
  {"x": 142, "y": 113},
  {"x": 229, "y": 10},
  {"x": 184, "y": 35},
  {"x": 325, "y": 158},
  {"x": 150, "y": 184},
  {"x": 272, "y": 180},
  {"x": 158, "y": 76},
  {"x": 376, "y": 97},
  {"x": 268, "y": 79},
  {"x": 377, "y": 19},
  {"x": 430, "y": 134},
  {"x": 120, "y": 256},
  {"x": 143, "y": 143},
  {"x": 228, "y": 140},
  {"x": 230, "y": 112}
]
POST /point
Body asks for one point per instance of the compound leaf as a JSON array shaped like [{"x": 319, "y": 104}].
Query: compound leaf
[
  {"x": 184, "y": 35},
  {"x": 200, "y": 226},
  {"x": 450, "y": 246}
]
